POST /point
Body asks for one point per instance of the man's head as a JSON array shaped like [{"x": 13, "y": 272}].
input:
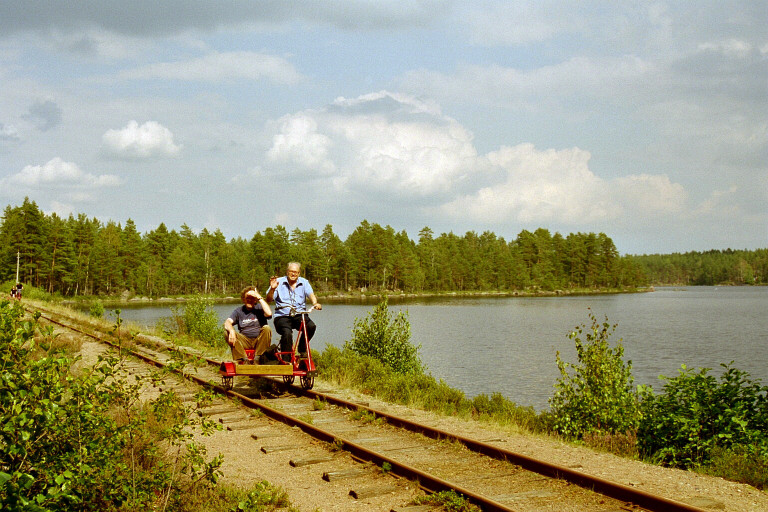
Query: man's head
[
  {"x": 293, "y": 271},
  {"x": 248, "y": 296}
]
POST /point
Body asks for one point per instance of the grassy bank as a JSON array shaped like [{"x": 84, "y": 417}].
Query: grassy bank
[{"x": 368, "y": 375}]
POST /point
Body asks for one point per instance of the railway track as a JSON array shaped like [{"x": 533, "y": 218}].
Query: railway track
[{"x": 488, "y": 475}]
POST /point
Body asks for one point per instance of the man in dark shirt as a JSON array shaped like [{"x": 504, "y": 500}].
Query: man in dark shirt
[{"x": 251, "y": 320}]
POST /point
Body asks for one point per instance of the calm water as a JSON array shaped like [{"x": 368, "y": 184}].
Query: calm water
[{"x": 508, "y": 344}]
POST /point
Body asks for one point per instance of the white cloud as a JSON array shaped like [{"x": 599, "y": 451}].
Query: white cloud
[
  {"x": 538, "y": 186},
  {"x": 135, "y": 141},
  {"x": 60, "y": 175},
  {"x": 557, "y": 186},
  {"x": 380, "y": 143},
  {"x": 8, "y": 132},
  {"x": 730, "y": 47},
  {"x": 220, "y": 67},
  {"x": 61, "y": 209},
  {"x": 572, "y": 81},
  {"x": 650, "y": 194},
  {"x": 389, "y": 147},
  {"x": 299, "y": 142}
]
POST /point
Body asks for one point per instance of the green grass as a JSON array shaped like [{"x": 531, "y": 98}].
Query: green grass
[
  {"x": 262, "y": 497},
  {"x": 345, "y": 368},
  {"x": 739, "y": 464},
  {"x": 449, "y": 500}
]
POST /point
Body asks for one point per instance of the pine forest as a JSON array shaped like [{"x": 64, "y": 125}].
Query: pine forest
[{"x": 85, "y": 256}]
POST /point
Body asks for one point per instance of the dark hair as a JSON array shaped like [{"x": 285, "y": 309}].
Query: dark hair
[{"x": 245, "y": 291}]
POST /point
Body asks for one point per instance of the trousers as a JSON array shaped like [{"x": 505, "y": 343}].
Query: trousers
[
  {"x": 259, "y": 344},
  {"x": 284, "y": 326}
]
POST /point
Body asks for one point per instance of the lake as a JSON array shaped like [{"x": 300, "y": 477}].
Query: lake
[{"x": 508, "y": 344}]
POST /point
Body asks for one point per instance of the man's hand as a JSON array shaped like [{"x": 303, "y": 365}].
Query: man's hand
[
  {"x": 231, "y": 338},
  {"x": 273, "y": 283},
  {"x": 318, "y": 306}
]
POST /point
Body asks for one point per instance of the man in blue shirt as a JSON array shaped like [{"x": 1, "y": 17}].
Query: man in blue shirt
[
  {"x": 290, "y": 294},
  {"x": 251, "y": 320}
]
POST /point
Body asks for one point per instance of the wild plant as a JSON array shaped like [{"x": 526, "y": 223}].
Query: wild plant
[
  {"x": 386, "y": 339},
  {"x": 448, "y": 500},
  {"x": 198, "y": 319},
  {"x": 695, "y": 414},
  {"x": 598, "y": 396},
  {"x": 84, "y": 441}
]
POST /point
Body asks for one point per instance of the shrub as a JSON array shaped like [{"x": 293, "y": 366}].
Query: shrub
[
  {"x": 598, "y": 396},
  {"x": 386, "y": 339},
  {"x": 695, "y": 414},
  {"x": 96, "y": 309},
  {"x": 83, "y": 441},
  {"x": 198, "y": 319}
]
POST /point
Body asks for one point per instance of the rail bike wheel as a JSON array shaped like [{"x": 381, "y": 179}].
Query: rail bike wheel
[
  {"x": 307, "y": 381},
  {"x": 227, "y": 382},
  {"x": 288, "y": 379}
]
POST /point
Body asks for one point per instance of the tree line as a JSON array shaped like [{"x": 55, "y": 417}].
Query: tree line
[
  {"x": 733, "y": 267},
  {"x": 84, "y": 256}
]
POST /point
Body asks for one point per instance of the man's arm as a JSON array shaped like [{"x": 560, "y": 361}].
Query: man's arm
[
  {"x": 265, "y": 306},
  {"x": 272, "y": 288},
  {"x": 230, "y": 328},
  {"x": 314, "y": 301}
]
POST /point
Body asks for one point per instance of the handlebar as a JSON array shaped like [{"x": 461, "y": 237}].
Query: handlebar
[{"x": 295, "y": 312}]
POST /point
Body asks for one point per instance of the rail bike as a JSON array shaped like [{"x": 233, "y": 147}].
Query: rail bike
[{"x": 288, "y": 364}]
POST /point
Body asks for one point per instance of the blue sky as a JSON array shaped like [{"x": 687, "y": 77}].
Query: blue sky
[{"x": 644, "y": 120}]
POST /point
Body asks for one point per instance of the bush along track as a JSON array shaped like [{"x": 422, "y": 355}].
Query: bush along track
[{"x": 84, "y": 440}]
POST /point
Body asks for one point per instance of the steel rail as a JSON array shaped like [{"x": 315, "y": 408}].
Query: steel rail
[
  {"x": 426, "y": 481},
  {"x": 608, "y": 488}
]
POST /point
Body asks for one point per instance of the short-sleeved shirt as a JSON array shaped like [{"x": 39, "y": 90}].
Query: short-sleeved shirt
[
  {"x": 249, "y": 320},
  {"x": 286, "y": 298}
]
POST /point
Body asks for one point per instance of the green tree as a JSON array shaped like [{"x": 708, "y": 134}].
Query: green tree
[
  {"x": 387, "y": 339},
  {"x": 60, "y": 250},
  {"x": 133, "y": 258},
  {"x": 105, "y": 261},
  {"x": 84, "y": 231},
  {"x": 159, "y": 244},
  {"x": 23, "y": 234},
  {"x": 598, "y": 396}
]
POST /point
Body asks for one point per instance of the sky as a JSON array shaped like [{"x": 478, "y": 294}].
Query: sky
[{"x": 647, "y": 121}]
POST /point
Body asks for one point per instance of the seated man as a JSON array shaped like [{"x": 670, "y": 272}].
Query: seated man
[
  {"x": 290, "y": 294},
  {"x": 251, "y": 320}
]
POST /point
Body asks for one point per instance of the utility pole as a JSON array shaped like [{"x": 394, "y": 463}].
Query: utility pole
[{"x": 18, "y": 254}]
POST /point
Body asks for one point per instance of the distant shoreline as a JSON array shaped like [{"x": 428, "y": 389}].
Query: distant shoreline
[{"x": 364, "y": 297}]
